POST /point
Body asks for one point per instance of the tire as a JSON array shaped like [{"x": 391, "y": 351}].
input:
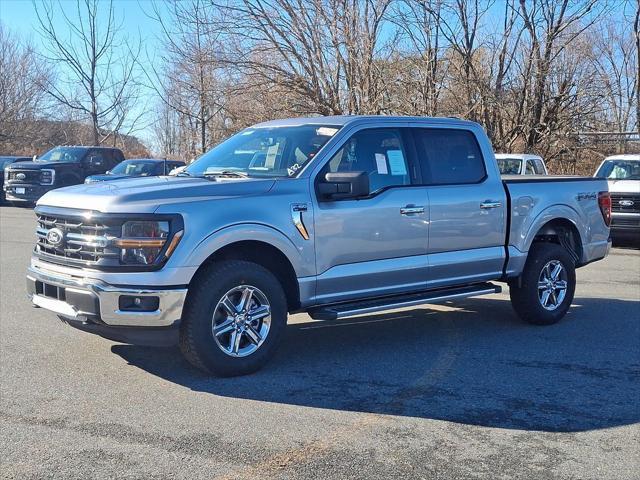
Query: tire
[
  {"x": 528, "y": 295},
  {"x": 205, "y": 308}
]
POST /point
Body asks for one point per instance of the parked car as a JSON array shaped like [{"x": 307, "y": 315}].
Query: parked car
[
  {"x": 26, "y": 182},
  {"x": 333, "y": 216},
  {"x": 139, "y": 167},
  {"x": 521, "y": 164},
  {"x": 4, "y": 162},
  {"x": 623, "y": 174}
]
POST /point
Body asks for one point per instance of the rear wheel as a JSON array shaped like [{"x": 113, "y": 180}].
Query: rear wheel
[
  {"x": 234, "y": 318},
  {"x": 547, "y": 285}
]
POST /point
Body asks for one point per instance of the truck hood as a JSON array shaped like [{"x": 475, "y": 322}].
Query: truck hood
[
  {"x": 624, "y": 186},
  {"x": 39, "y": 165},
  {"x": 146, "y": 194}
]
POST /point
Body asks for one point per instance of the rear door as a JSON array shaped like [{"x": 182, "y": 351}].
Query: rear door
[{"x": 467, "y": 207}]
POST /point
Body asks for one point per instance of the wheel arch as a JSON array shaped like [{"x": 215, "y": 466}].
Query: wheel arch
[
  {"x": 259, "y": 244},
  {"x": 563, "y": 232},
  {"x": 557, "y": 224}
]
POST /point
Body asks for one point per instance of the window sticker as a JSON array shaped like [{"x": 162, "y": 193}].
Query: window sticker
[
  {"x": 396, "y": 162},
  {"x": 326, "y": 131},
  {"x": 381, "y": 163},
  {"x": 270, "y": 160},
  {"x": 293, "y": 169}
]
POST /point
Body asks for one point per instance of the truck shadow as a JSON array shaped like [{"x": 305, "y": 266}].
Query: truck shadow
[{"x": 476, "y": 364}]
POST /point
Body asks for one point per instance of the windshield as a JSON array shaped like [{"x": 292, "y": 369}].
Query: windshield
[
  {"x": 620, "y": 170},
  {"x": 269, "y": 152},
  {"x": 509, "y": 166},
  {"x": 136, "y": 168},
  {"x": 63, "y": 154}
]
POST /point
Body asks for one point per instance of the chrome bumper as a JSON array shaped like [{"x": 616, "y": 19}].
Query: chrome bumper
[{"x": 77, "y": 298}]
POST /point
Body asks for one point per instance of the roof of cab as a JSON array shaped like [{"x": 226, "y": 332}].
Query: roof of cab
[
  {"x": 153, "y": 160},
  {"x": 519, "y": 156},
  {"x": 342, "y": 120},
  {"x": 624, "y": 156}
]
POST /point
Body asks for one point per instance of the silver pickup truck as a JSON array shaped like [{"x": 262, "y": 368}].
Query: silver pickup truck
[{"x": 333, "y": 216}]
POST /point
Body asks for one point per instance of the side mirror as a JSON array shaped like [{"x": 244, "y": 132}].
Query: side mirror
[{"x": 344, "y": 185}]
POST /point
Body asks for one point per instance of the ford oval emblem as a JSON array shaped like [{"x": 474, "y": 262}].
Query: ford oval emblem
[
  {"x": 626, "y": 203},
  {"x": 20, "y": 176},
  {"x": 55, "y": 237}
]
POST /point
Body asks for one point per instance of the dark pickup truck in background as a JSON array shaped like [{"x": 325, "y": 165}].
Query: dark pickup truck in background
[
  {"x": 5, "y": 161},
  {"x": 26, "y": 182}
]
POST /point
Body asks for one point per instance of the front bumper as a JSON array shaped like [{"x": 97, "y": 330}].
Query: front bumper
[
  {"x": 78, "y": 299},
  {"x": 625, "y": 223},
  {"x": 31, "y": 192}
]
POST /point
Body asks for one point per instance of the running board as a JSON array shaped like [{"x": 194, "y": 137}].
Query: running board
[{"x": 342, "y": 310}]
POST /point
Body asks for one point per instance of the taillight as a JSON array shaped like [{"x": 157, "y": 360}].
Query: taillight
[{"x": 604, "y": 202}]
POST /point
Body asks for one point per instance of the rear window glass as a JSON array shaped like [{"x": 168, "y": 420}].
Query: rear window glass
[{"x": 449, "y": 156}]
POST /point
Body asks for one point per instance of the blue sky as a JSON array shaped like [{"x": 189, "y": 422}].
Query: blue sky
[{"x": 19, "y": 16}]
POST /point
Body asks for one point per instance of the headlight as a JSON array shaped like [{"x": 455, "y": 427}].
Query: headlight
[
  {"x": 143, "y": 241},
  {"x": 47, "y": 177}
]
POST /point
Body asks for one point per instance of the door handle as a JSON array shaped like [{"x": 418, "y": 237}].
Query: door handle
[
  {"x": 488, "y": 204},
  {"x": 411, "y": 210}
]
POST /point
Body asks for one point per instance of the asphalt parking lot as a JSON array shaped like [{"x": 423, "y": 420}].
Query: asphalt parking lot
[{"x": 450, "y": 391}]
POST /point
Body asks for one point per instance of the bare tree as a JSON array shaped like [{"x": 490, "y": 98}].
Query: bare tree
[
  {"x": 636, "y": 31},
  {"x": 552, "y": 26},
  {"x": 615, "y": 61},
  {"x": 420, "y": 78},
  {"x": 187, "y": 75},
  {"x": 22, "y": 96},
  {"x": 324, "y": 52},
  {"x": 98, "y": 78}
]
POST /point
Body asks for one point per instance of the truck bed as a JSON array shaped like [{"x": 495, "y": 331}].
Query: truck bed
[
  {"x": 547, "y": 178},
  {"x": 535, "y": 200}
]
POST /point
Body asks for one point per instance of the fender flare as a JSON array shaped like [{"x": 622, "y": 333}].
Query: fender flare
[
  {"x": 553, "y": 212},
  {"x": 247, "y": 232}
]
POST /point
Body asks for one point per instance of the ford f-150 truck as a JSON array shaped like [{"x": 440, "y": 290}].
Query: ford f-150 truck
[
  {"x": 333, "y": 216},
  {"x": 26, "y": 182}
]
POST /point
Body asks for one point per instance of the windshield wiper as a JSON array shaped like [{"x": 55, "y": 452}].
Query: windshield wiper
[{"x": 226, "y": 173}]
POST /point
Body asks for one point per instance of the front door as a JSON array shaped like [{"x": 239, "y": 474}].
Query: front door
[{"x": 375, "y": 245}]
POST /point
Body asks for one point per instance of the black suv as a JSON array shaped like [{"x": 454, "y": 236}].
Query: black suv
[{"x": 26, "y": 182}]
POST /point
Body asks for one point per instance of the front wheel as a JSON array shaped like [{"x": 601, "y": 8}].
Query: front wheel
[
  {"x": 234, "y": 318},
  {"x": 546, "y": 287}
]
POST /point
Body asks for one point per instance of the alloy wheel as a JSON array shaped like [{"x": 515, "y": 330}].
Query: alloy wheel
[{"x": 241, "y": 321}]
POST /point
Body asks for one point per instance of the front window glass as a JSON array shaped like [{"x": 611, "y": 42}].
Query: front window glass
[
  {"x": 137, "y": 168},
  {"x": 63, "y": 154},
  {"x": 269, "y": 152},
  {"x": 378, "y": 152},
  {"x": 509, "y": 166},
  {"x": 620, "y": 170}
]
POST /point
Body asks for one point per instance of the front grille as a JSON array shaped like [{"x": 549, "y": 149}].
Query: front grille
[
  {"x": 625, "y": 203},
  {"x": 30, "y": 176},
  {"x": 77, "y": 240}
]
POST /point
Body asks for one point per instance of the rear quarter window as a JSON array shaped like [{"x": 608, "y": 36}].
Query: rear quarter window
[{"x": 449, "y": 156}]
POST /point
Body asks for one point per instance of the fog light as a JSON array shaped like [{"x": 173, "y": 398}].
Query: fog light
[{"x": 131, "y": 303}]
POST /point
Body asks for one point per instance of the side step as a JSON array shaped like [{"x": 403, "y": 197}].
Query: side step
[{"x": 342, "y": 310}]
